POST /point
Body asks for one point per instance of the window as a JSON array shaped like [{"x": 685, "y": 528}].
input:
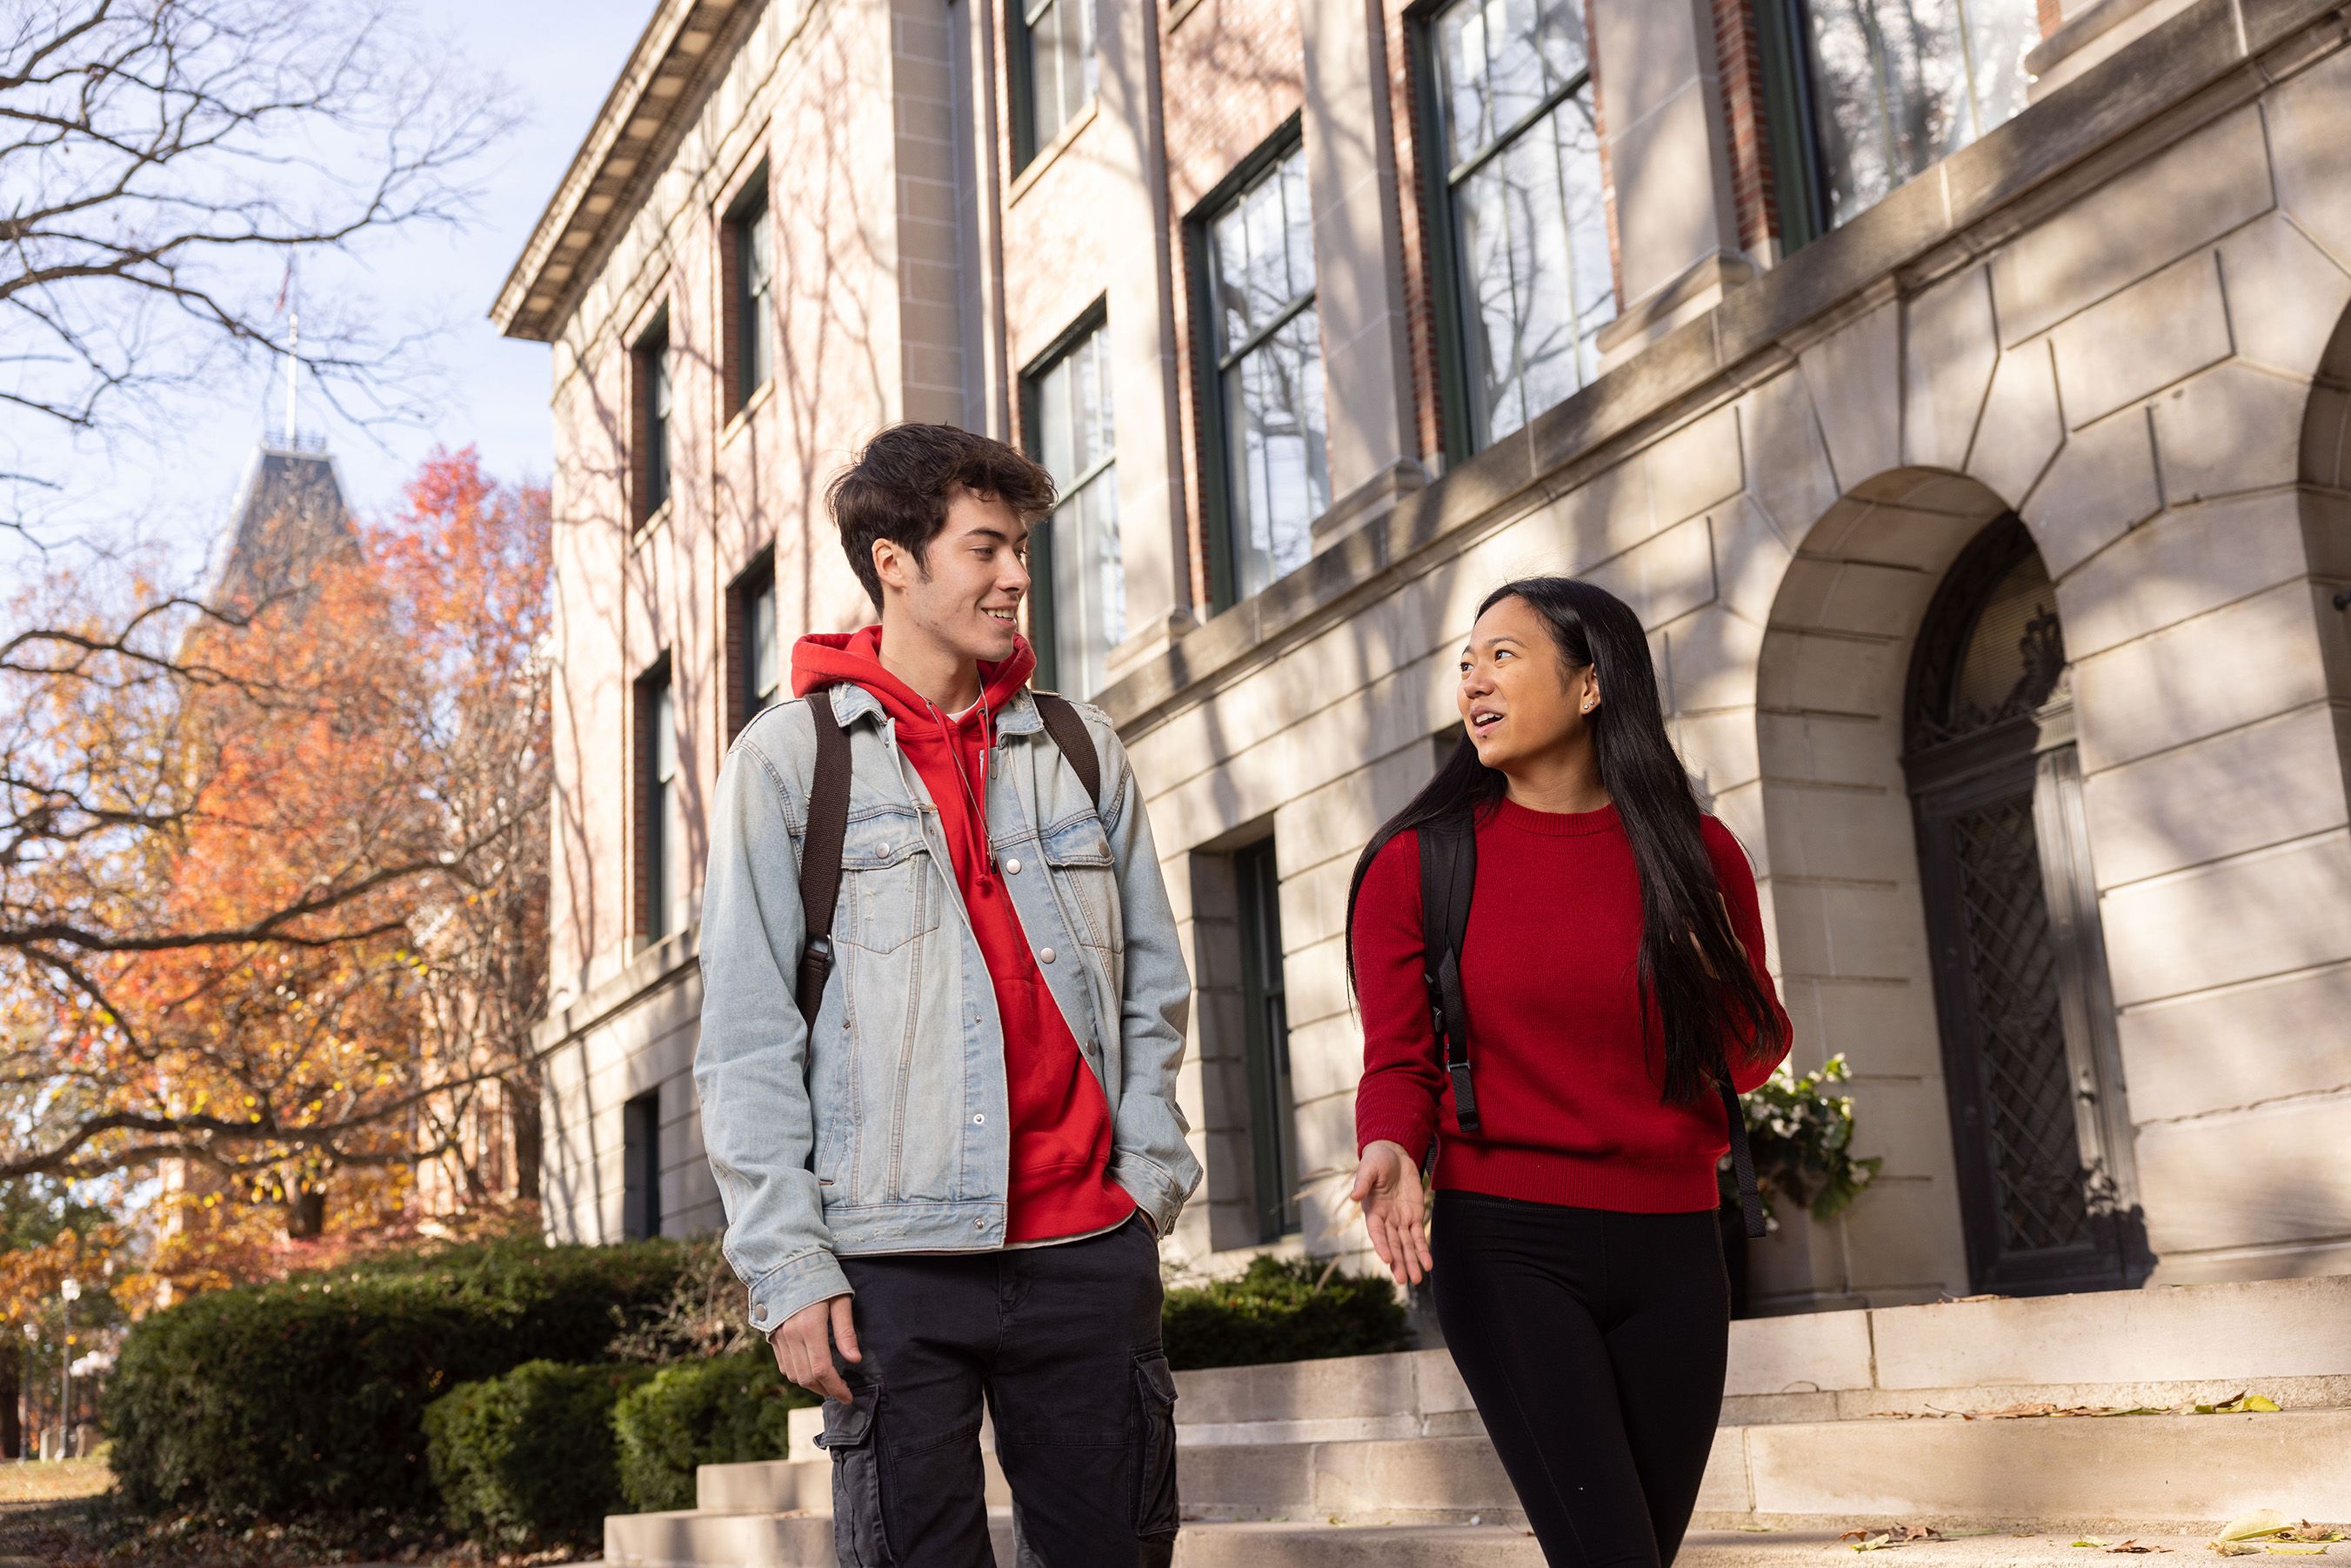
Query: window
[
  {"x": 640, "y": 1167},
  {"x": 754, "y": 654},
  {"x": 1077, "y": 603},
  {"x": 1258, "y": 306},
  {"x": 652, "y": 365},
  {"x": 1874, "y": 91},
  {"x": 1273, "y": 1126},
  {"x": 1057, "y": 68},
  {"x": 661, "y": 823},
  {"x": 751, "y": 267},
  {"x": 1524, "y": 218}
]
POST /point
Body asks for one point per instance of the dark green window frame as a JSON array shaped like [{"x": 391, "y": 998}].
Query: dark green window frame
[
  {"x": 1207, "y": 378},
  {"x": 1273, "y": 1115},
  {"x": 1799, "y": 195}
]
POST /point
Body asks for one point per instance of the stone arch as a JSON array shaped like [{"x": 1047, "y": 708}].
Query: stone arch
[{"x": 1841, "y": 872}]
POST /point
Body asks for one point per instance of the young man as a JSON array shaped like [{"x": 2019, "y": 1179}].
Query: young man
[{"x": 947, "y": 1184}]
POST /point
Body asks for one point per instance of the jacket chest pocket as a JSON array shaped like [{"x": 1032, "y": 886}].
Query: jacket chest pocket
[
  {"x": 1079, "y": 853},
  {"x": 888, "y": 894}
]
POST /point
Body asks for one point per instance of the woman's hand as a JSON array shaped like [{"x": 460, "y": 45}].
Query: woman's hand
[{"x": 1395, "y": 1210}]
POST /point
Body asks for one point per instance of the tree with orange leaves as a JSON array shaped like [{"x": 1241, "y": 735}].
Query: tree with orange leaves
[{"x": 281, "y": 917}]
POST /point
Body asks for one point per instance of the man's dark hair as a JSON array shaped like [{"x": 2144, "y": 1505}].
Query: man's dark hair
[{"x": 900, "y": 487}]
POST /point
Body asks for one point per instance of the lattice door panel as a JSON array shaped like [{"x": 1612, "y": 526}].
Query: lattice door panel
[{"x": 2011, "y": 958}]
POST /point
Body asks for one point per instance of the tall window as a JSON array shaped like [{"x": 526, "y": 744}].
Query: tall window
[
  {"x": 1878, "y": 90},
  {"x": 751, "y": 262},
  {"x": 1259, "y": 308},
  {"x": 1058, "y": 73},
  {"x": 1273, "y": 1116},
  {"x": 661, "y": 823},
  {"x": 754, "y": 657},
  {"x": 1528, "y": 229},
  {"x": 1078, "y": 602},
  {"x": 641, "y": 1165},
  {"x": 652, "y": 365}
]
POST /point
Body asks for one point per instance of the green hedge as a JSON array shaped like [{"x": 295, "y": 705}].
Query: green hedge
[
  {"x": 525, "y": 1460},
  {"x": 722, "y": 1411},
  {"x": 1281, "y": 1311},
  {"x": 307, "y": 1397}
]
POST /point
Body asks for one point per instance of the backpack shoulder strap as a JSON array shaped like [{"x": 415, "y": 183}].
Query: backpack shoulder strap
[
  {"x": 1449, "y": 876},
  {"x": 1069, "y": 733},
  {"x": 827, "y": 826}
]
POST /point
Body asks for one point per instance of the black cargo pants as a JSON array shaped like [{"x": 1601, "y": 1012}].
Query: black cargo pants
[{"x": 1062, "y": 1342}]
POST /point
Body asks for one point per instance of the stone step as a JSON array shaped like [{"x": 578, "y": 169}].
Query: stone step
[
  {"x": 668, "y": 1541},
  {"x": 2290, "y": 1339},
  {"x": 2192, "y": 1470}
]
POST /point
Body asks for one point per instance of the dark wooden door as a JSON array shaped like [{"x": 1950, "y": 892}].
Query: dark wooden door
[{"x": 2025, "y": 1058}]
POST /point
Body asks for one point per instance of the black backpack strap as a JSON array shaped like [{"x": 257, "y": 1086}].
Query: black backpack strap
[
  {"x": 1742, "y": 1161},
  {"x": 1449, "y": 874},
  {"x": 1069, "y": 733},
  {"x": 827, "y": 826}
]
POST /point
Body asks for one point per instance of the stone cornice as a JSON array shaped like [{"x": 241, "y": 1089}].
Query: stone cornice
[{"x": 621, "y": 153}]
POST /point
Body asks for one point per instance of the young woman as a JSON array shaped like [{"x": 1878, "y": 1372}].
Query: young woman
[{"x": 1613, "y": 973}]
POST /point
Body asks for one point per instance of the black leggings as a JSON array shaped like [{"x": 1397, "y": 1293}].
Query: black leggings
[{"x": 1593, "y": 1344}]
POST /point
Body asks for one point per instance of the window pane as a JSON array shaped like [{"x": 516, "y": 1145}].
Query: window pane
[
  {"x": 1899, "y": 84},
  {"x": 1273, "y": 422},
  {"x": 1536, "y": 283},
  {"x": 766, "y": 662},
  {"x": 756, "y": 262},
  {"x": 1088, "y": 585},
  {"x": 1077, "y": 571},
  {"x": 1061, "y": 71},
  {"x": 1497, "y": 60}
]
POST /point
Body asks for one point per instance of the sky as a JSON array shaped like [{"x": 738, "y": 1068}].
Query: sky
[{"x": 560, "y": 57}]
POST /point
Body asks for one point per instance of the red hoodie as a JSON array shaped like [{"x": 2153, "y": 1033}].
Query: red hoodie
[{"x": 1060, "y": 1184}]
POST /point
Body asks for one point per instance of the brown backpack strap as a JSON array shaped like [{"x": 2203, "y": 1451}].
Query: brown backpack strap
[
  {"x": 827, "y": 826},
  {"x": 1069, "y": 733}
]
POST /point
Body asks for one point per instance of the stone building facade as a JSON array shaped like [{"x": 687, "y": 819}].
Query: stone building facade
[{"x": 1965, "y": 405}]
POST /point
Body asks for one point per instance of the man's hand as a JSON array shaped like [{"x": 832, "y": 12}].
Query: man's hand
[
  {"x": 803, "y": 1344},
  {"x": 1387, "y": 1183}
]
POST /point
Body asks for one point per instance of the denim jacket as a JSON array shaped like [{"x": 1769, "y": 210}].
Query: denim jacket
[{"x": 883, "y": 1127}]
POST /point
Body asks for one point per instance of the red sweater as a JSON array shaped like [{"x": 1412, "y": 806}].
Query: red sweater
[
  {"x": 1568, "y": 1078},
  {"x": 1060, "y": 1184}
]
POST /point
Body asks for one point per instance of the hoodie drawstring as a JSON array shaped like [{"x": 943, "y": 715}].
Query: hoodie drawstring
[{"x": 954, "y": 756}]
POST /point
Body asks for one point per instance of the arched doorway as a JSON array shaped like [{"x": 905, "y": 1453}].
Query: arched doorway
[{"x": 2041, "y": 1133}]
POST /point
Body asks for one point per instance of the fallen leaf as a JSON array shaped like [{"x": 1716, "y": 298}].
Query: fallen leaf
[
  {"x": 2239, "y": 1404},
  {"x": 2254, "y": 1526},
  {"x": 2138, "y": 1410},
  {"x": 2296, "y": 1550},
  {"x": 2234, "y": 1548},
  {"x": 1875, "y": 1544},
  {"x": 2306, "y": 1530},
  {"x": 2090, "y": 1540},
  {"x": 2135, "y": 1546}
]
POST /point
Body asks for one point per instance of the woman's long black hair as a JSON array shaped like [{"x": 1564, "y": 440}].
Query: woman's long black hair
[{"x": 1691, "y": 963}]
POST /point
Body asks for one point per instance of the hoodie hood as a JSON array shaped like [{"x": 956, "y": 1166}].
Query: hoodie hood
[{"x": 824, "y": 659}]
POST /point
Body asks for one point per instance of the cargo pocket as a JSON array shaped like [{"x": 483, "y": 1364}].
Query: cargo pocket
[
  {"x": 1155, "y": 1453},
  {"x": 858, "y": 1537}
]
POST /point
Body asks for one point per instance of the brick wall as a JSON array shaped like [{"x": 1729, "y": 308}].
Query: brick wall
[{"x": 1742, "y": 60}]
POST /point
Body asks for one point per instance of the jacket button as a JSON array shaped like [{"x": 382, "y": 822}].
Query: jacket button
[
  {"x": 979, "y": 1116},
  {"x": 1044, "y": 954},
  {"x": 1012, "y": 868},
  {"x": 884, "y": 850}
]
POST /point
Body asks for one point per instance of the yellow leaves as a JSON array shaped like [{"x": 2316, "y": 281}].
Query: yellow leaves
[
  {"x": 2239, "y": 1404},
  {"x": 2266, "y": 1531}
]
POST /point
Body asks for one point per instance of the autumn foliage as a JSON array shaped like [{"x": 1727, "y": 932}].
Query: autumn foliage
[{"x": 279, "y": 941}]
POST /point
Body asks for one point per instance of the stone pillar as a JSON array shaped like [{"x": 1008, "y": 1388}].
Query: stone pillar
[
  {"x": 1142, "y": 327},
  {"x": 1351, "y": 174},
  {"x": 1668, "y": 150}
]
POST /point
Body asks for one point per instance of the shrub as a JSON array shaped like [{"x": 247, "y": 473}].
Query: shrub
[
  {"x": 722, "y": 1411},
  {"x": 1299, "y": 1309},
  {"x": 526, "y": 1460},
  {"x": 307, "y": 1397}
]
